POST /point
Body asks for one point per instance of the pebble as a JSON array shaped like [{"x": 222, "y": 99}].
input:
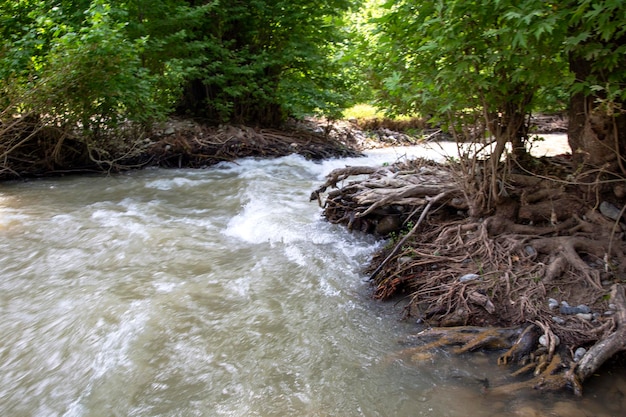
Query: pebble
[
  {"x": 580, "y": 309},
  {"x": 552, "y": 303},
  {"x": 609, "y": 210},
  {"x": 543, "y": 340},
  {"x": 469, "y": 277},
  {"x": 530, "y": 251},
  {"x": 579, "y": 353},
  {"x": 585, "y": 316},
  {"x": 558, "y": 320}
]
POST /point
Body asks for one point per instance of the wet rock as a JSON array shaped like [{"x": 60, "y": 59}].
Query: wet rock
[
  {"x": 388, "y": 224},
  {"x": 543, "y": 340}
]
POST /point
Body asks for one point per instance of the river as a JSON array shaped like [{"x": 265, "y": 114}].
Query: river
[{"x": 215, "y": 292}]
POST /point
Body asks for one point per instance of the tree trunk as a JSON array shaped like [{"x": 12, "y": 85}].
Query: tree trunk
[
  {"x": 508, "y": 126},
  {"x": 597, "y": 129},
  {"x": 194, "y": 99}
]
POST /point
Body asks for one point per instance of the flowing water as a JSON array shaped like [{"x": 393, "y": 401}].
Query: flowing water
[{"x": 212, "y": 292}]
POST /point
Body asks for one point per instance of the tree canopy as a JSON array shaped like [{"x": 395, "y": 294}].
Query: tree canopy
[
  {"x": 484, "y": 63},
  {"x": 498, "y": 61},
  {"x": 245, "y": 61}
]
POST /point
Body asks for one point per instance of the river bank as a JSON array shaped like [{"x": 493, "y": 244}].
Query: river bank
[
  {"x": 541, "y": 277},
  {"x": 32, "y": 149}
]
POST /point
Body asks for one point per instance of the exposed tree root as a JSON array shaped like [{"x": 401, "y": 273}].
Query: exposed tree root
[
  {"x": 533, "y": 276},
  {"x": 468, "y": 338},
  {"x": 32, "y": 146}
]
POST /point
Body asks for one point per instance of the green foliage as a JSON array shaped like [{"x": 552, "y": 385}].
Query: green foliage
[
  {"x": 597, "y": 35},
  {"x": 77, "y": 67},
  {"x": 270, "y": 59},
  {"x": 93, "y": 75},
  {"x": 362, "y": 111},
  {"x": 466, "y": 57},
  {"x": 485, "y": 57},
  {"x": 99, "y": 63}
]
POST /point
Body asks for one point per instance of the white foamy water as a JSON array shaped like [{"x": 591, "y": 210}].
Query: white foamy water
[{"x": 216, "y": 292}]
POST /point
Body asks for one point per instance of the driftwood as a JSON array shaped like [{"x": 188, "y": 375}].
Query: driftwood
[{"x": 485, "y": 282}]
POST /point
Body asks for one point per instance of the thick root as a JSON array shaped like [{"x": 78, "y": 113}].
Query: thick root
[
  {"x": 467, "y": 338},
  {"x": 522, "y": 347},
  {"x": 549, "y": 379}
]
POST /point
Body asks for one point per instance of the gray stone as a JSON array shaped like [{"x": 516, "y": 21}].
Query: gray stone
[
  {"x": 609, "y": 210},
  {"x": 579, "y": 353},
  {"x": 552, "y": 303},
  {"x": 469, "y": 277}
]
